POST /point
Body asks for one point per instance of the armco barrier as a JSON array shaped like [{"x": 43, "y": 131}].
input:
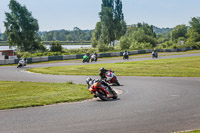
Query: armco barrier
[
  {"x": 36, "y": 59},
  {"x": 2, "y": 62},
  {"x": 133, "y": 52},
  {"x": 66, "y": 57},
  {"x": 80, "y": 56},
  {"x": 52, "y": 58},
  {"x": 45, "y": 58},
  {"x": 142, "y": 51},
  {"x": 12, "y": 61},
  {"x": 72, "y": 56}
]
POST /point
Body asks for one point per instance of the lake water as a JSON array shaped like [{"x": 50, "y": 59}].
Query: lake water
[{"x": 64, "y": 46}]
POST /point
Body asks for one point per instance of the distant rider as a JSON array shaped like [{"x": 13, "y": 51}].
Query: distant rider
[
  {"x": 88, "y": 54},
  {"x": 95, "y": 55},
  {"x": 155, "y": 52},
  {"x": 125, "y": 54},
  {"x": 102, "y": 73}
]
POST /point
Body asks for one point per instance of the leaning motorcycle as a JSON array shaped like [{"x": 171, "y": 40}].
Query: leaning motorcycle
[
  {"x": 154, "y": 54},
  {"x": 111, "y": 78},
  {"x": 103, "y": 92},
  {"x": 125, "y": 56},
  {"x": 86, "y": 59},
  {"x": 93, "y": 58},
  {"x": 21, "y": 63}
]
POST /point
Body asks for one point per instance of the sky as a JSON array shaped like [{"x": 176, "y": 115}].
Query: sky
[{"x": 84, "y": 14}]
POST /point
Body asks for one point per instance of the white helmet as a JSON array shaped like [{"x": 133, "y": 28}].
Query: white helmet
[{"x": 88, "y": 80}]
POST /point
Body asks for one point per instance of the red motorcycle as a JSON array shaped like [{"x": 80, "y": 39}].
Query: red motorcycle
[
  {"x": 103, "y": 92},
  {"x": 111, "y": 78}
]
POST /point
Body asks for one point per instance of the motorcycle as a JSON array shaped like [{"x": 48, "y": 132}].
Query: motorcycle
[
  {"x": 103, "y": 92},
  {"x": 93, "y": 58},
  {"x": 22, "y": 63},
  {"x": 125, "y": 56},
  {"x": 111, "y": 78},
  {"x": 154, "y": 54},
  {"x": 86, "y": 59}
]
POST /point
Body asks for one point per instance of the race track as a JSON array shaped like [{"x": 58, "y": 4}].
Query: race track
[{"x": 147, "y": 105}]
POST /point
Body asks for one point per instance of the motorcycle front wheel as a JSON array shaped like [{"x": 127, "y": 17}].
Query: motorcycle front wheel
[{"x": 117, "y": 83}]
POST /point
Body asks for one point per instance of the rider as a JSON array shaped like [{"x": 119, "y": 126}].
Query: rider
[
  {"x": 88, "y": 54},
  {"x": 125, "y": 53},
  {"x": 102, "y": 73},
  {"x": 25, "y": 59},
  {"x": 95, "y": 55},
  {"x": 90, "y": 82},
  {"x": 155, "y": 52}
]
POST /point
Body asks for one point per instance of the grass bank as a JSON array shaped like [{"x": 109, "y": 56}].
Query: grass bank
[
  {"x": 28, "y": 94},
  {"x": 173, "y": 67}
]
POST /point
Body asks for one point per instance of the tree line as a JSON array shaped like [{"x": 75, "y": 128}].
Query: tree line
[
  {"x": 111, "y": 32},
  {"x": 76, "y": 35}
]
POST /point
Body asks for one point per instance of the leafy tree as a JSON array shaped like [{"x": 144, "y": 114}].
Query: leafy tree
[
  {"x": 140, "y": 36},
  {"x": 177, "y": 32},
  {"x": 124, "y": 42},
  {"x": 77, "y": 34},
  {"x": 161, "y": 30},
  {"x": 194, "y": 31},
  {"x": 112, "y": 25},
  {"x": 3, "y": 37},
  {"x": 195, "y": 24},
  {"x": 65, "y": 35},
  {"x": 96, "y": 35},
  {"x": 21, "y": 28},
  {"x": 119, "y": 23},
  {"x": 107, "y": 25}
]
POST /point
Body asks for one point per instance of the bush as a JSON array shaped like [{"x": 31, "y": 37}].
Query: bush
[
  {"x": 55, "y": 47},
  {"x": 124, "y": 43},
  {"x": 167, "y": 44},
  {"x": 104, "y": 48},
  {"x": 42, "y": 47},
  {"x": 140, "y": 45}
]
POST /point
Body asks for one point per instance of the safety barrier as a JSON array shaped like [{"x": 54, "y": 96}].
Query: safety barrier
[{"x": 80, "y": 56}]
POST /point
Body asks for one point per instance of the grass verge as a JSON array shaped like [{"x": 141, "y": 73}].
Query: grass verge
[
  {"x": 195, "y": 131},
  {"x": 174, "y": 67},
  {"x": 28, "y": 94}
]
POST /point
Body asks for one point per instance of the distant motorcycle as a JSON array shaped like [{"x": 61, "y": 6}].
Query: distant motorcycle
[
  {"x": 22, "y": 63},
  {"x": 154, "y": 54},
  {"x": 103, "y": 92},
  {"x": 86, "y": 59},
  {"x": 111, "y": 78},
  {"x": 93, "y": 58},
  {"x": 125, "y": 56}
]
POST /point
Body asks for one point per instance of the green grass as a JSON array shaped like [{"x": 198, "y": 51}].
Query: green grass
[
  {"x": 173, "y": 67},
  {"x": 195, "y": 131},
  {"x": 28, "y": 94}
]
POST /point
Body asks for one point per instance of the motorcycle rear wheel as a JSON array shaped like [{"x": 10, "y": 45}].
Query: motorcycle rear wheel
[{"x": 102, "y": 95}]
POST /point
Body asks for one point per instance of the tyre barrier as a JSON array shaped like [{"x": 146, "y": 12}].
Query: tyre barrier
[{"x": 80, "y": 56}]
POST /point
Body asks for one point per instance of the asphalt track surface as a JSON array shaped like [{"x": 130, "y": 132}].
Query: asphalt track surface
[{"x": 147, "y": 105}]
